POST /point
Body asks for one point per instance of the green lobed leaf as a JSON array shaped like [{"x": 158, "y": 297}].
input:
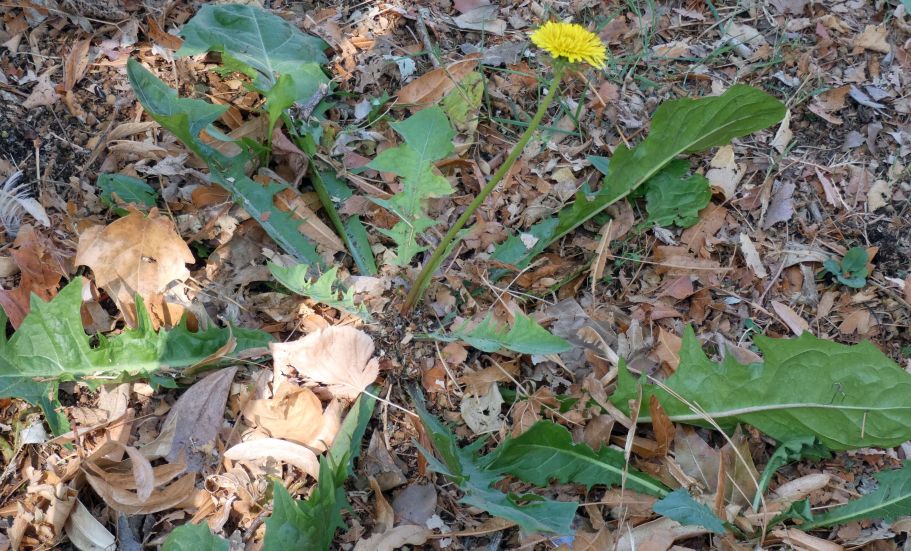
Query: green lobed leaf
[
  {"x": 848, "y": 396},
  {"x": 678, "y": 127},
  {"x": 679, "y": 505},
  {"x": 806, "y": 447},
  {"x": 546, "y": 452},
  {"x": 428, "y": 137},
  {"x": 311, "y": 524},
  {"x": 673, "y": 198},
  {"x": 326, "y": 289},
  {"x": 890, "y": 500},
  {"x": 530, "y": 512},
  {"x": 253, "y": 36},
  {"x": 525, "y": 336},
  {"x": 129, "y": 190},
  {"x": 194, "y": 537},
  {"x": 51, "y": 346},
  {"x": 186, "y": 118}
]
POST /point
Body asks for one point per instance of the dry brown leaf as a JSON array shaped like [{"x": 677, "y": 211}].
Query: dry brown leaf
[
  {"x": 406, "y": 534},
  {"x": 667, "y": 349},
  {"x": 479, "y": 382},
  {"x": 338, "y": 357},
  {"x": 792, "y": 319},
  {"x": 41, "y": 268},
  {"x": 751, "y": 256},
  {"x": 724, "y": 173},
  {"x": 430, "y": 87},
  {"x": 803, "y": 541},
  {"x": 85, "y": 532},
  {"x": 194, "y": 421},
  {"x": 159, "y": 36},
  {"x": 663, "y": 529},
  {"x": 873, "y": 38},
  {"x": 75, "y": 63},
  {"x": 311, "y": 226},
  {"x": 662, "y": 425},
  {"x": 128, "y": 502},
  {"x": 294, "y": 413},
  {"x": 135, "y": 254},
  {"x": 280, "y": 450}
]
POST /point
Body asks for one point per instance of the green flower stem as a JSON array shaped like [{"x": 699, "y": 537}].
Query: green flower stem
[{"x": 420, "y": 284}]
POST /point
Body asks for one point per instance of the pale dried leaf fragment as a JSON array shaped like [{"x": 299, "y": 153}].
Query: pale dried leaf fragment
[
  {"x": 280, "y": 450},
  {"x": 724, "y": 173},
  {"x": 784, "y": 134},
  {"x": 339, "y": 357},
  {"x": 799, "y": 539},
  {"x": 879, "y": 195},
  {"x": 406, "y": 534},
  {"x": 136, "y": 254},
  {"x": 294, "y": 414},
  {"x": 44, "y": 93},
  {"x": 751, "y": 256},
  {"x": 85, "y": 532},
  {"x": 792, "y": 319}
]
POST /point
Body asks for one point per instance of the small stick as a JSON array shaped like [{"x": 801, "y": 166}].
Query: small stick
[{"x": 425, "y": 36}]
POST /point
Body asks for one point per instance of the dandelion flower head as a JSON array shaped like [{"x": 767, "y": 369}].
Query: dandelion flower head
[{"x": 570, "y": 41}]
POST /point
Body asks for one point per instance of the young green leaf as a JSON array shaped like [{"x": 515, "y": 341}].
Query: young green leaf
[
  {"x": 672, "y": 197},
  {"x": 311, "y": 524},
  {"x": 252, "y": 36},
  {"x": 890, "y": 500},
  {"x": 128, "y": 190},
  {"x": 355, "y": 234},
  {"x": 806, "y": 447},
  {"x": 679, "y": 505},
  {"x": 546, "y": 452},
  {"x": 847, "y": 396},
  {"x": 325, "y": 290},
  {"x": 428, "y": 137},
  {"x": 298, "y": 85},
  {"x": 186, "y": 118},
  {"x": 679, "y": 127},
  {"x": 194, "y": 537},
  {"x": 852, "y": 270},
  {"x": 463, "y": 467},
  {"x": 525, "y": 336},
  {"x": 52, "y": 347}
]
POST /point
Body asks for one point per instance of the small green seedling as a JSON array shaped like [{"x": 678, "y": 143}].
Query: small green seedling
[{"x": 852, "y": 270}]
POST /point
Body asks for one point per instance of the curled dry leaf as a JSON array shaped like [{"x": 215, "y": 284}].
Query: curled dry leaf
[
  {"x": 295, "y": 414},
  {"x": 135, "y": 254},
  {"x": 281, "y": 450},
  {"x": 41, "y": 267},
  {"x": 430, "y": 87},
  {"x": 85, "y": 532},
  {"x": 338, "y": 357}
]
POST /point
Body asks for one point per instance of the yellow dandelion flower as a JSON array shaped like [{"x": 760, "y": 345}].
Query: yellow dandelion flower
[{"x": 571, "y": 42}]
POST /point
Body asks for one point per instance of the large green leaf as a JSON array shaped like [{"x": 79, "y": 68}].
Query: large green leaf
[
  {"x": 890, "y": 500},
  {"x": 525, "y": 336},
  {"x": 678, "y": 127},
  {"x": 311, "y": 524},
  {"x": 253, "y": 36},
  {"x": 298, "y": 85},
  {"x": 530, "y": 512},
  {"x": 185, "y": 118},
  {"x": 846, "y": 396},
  {"x": 679, "y": 505},
  {"x": 546, "y": 452},
  {"x": 51, "y": 346},
  {"x": 194, "y": 537},
  {"x": 428, "y": 137}
]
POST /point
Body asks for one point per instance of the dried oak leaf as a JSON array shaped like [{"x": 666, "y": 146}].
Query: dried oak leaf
[
  {"x": 135, "y": 254},
  {"x": 295, "y": 414},
  {"x": 338, "y": 357}
]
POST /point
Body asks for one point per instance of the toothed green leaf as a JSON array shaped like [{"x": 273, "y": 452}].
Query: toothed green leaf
[
  {"x": 194, "y": 537},
  {"x": 890, "y": 500},
  {"x": 326, "y": 289},
  {"x": 679, "y": 505},
  {"x": 428, "y": 137},
  {"x": 847, "y": 396},
  {"x": 672, "y": 198},
  {"x": 51, "y": 347},
  {"x": 525, "y": 336}
]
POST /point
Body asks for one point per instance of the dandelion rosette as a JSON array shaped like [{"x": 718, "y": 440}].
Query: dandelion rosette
[{"x": 571, "y": 42}]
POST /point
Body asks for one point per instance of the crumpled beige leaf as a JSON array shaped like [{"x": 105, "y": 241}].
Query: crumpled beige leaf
[
  {"x": 295, "y": 414},
  {"x": 44, "y": 93},
  {"x": 135, "y": 254},
  {"x": 338, "y": 357},
  {"x": 406, "y": 534},
  {"x": 281, "y": 450}
]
